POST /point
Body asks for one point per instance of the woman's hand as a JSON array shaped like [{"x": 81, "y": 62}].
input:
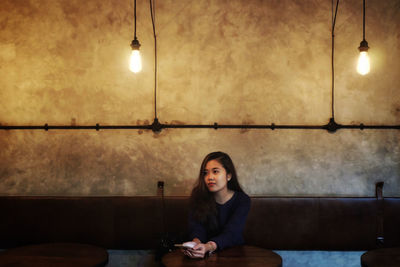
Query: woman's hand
[{"x": 200, "y": 250}]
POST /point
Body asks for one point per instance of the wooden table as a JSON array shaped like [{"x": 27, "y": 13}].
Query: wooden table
[
  {"x": 56, "y": 254},
  {"x": 242, "y": 256},
  {"x": 388, "y": 257}
]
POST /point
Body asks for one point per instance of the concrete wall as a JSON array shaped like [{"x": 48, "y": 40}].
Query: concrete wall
[{"x": 65, "y": 62}]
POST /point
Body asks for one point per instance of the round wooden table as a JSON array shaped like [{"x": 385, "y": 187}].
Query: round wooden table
[
  {"x": 388, "y": 257},
  {"x": 56, "y": 254},
  {"x": 237, "y": 256}
]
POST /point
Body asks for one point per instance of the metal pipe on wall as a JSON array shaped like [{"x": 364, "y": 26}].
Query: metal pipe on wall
[{"x": 156, "y": 126}]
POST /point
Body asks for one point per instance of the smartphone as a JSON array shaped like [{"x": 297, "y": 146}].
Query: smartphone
[{"x": 186, "y": 245}]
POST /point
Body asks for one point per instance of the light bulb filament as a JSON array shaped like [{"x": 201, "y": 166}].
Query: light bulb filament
[
  {"x": 363, "y": 66},
  {"x": 135, "y": 64}
]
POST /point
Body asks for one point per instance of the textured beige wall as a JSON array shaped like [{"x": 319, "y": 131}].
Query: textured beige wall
[{"x": 65, "y": 62}]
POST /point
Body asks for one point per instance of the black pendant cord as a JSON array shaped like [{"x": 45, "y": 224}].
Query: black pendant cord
[
  {"x": 135, "y": 18},
  {"x": 363, "y": 19},
  {"x": 333, "y": 60},
  {"x": 152, "y": 10},
  {"x": 156, "y": 126}
]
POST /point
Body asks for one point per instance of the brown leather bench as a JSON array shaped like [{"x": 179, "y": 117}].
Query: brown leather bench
[{"x": 281, "y": 223}]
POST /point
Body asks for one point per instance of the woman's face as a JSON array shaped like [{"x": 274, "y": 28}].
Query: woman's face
[{"x": 215, "y": 176}]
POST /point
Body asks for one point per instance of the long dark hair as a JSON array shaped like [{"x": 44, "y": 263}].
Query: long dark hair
[{"x": 202, "y": 202}]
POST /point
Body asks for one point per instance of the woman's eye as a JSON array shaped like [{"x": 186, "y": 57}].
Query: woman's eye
[{"x": 215, "y": 171}]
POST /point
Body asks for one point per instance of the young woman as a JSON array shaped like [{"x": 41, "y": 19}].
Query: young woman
[{"x": 219, "y": 207}]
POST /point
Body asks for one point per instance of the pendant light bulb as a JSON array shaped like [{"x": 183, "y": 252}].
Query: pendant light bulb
[
  {"x": 135, "y": 64},
  {"x": 363, "y": 65}
]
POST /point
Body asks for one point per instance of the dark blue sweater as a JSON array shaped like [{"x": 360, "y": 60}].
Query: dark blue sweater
[{"x": 231, "y": 218}]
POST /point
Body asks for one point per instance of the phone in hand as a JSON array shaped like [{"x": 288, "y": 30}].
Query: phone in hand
[{"x": 187, "y": 245}]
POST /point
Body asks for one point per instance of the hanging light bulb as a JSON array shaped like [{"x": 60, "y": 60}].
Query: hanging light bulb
[
  {"x": 363, "y": 65},
  {"x": 135, "y": 64}
]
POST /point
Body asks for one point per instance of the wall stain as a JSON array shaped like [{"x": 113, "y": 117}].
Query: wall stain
[{"x": 246, "y": 122}]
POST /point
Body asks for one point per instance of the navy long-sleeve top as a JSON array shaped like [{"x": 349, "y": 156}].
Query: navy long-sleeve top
[{"x": 231, "y": 218}]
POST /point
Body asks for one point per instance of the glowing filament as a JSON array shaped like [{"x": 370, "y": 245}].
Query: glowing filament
[
  {"x": 363, "y": 66},
  {"x": 135, "y": 64}
]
